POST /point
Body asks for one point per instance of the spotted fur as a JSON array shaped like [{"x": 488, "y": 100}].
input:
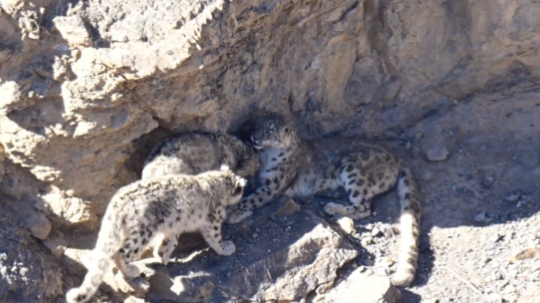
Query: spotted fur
[
  {"x": 157, "y": 211},
  {"x": 195, "y": 153},
  {"x": 300, "y": 168}
]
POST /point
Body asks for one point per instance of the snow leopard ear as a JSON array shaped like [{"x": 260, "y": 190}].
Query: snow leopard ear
[
  {"x": 224, "y": 167},
  {"x": 241, "y": 181}
]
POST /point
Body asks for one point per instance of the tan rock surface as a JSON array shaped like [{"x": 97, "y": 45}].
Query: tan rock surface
[{"x": 85, "y": 86}]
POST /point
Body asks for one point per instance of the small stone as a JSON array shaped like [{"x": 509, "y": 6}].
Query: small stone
[
  {"x": 496, "y": 238},
  {"x": 39, "y": 225},
  {"x": 370, "y": 288},
  {"x": 481, "y": 217},
  {"x": 56, "y": 245},
  {"x": 439, "y": 153},
  {"x": 495, "y": 298},
  {"x": 366, "y": 241},
  {"x": 73, "y": 30},
  {"x": 375, "y": 232},
  {"x": 514, "y": 196},
  {"x": 289, "y": 207},
  {"x": 132, "y": 299},
  {"x": 528, "y": 253},
  {"x": 347, "y": 225}
]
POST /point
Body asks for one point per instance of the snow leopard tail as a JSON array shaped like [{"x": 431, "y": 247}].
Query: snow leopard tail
[
  {"x": 410, "y": 228},
  {"x": 108, "y": 244}
]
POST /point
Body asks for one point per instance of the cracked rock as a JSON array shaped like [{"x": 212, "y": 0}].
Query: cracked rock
[{"x": 370, "y": 288}]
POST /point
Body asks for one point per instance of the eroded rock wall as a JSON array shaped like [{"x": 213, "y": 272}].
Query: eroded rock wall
[{"x": 81, "y": 80}]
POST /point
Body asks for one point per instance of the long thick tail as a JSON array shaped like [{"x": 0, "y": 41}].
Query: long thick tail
[
  {"x": 410, "y": 228},
  {"x": 108, "y": 243}
]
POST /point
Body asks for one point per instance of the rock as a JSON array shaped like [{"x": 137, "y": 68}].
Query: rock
[
  {"x": 73, "y": 30},
  {"x": 104, "y": 75},
  {"x": 530, "y": 296},
  {"x": 528, "y": 253},
  {"x": 86, "y": 85},
  {"x": 439, "y": 153},
  {"x": 29, "y": 272},
  {"x": 482, "y": 217},
  {"x": 132, "y": 299},
  {"x": 290, "y": 207},
  {"x": 38, "y": 224},
  {"x": 370, "y": 288},
  {"x": 56, "y": 244},
  {"x": 347, "y": 225},
  {"x": 514, "y": 196}
]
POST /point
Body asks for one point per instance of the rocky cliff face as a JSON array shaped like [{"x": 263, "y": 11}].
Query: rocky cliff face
[{"x": 87, "y": 86}]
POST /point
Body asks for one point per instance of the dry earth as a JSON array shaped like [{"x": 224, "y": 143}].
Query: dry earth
[{"x": 88, "y": 87}]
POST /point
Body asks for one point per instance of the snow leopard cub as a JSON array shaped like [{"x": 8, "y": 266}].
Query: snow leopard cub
[
  {"x": 193, "y": 153},
  {"x": 155, "y": 209}
]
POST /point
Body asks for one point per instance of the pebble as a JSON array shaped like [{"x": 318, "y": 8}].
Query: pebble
[
  {"x": 375, "y": 232},
  {"x": 481, "y": 217},
  {"x": 514, "y": 196},
  {"x": 347, "y": 225},
  {"x": 435, "y": 154}
]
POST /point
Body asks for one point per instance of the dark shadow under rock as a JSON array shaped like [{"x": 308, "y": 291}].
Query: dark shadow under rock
[{"x": 28, "y": 272}]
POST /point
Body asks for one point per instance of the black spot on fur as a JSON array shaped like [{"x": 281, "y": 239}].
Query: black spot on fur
[
  {"x": 355, "y": 194},
  {"x": 252, "y": 201},
  {"x": 406, "y": 182},
  {"x": 365, "y": 192},
  {"x": 274, "y": 159},
  {"x": 351, "y": 175},
  {"x": 268, "y": 182},
  {"x": 349, "y": 191},
  {"x": 216, "y": 235},
  {"x": 216, "y": 228},
  {"x": 281, "y": 154},
  {"x": 136, "y": 250},
  {"x": 360, "y": 182},
  {"x": 352, "y": 181},
  {"x": 349, "y": 168},
  {"x": 135, "y": 241},
  {"x": 260, "y": 199},
  {"x": 407, "y": 196}
]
